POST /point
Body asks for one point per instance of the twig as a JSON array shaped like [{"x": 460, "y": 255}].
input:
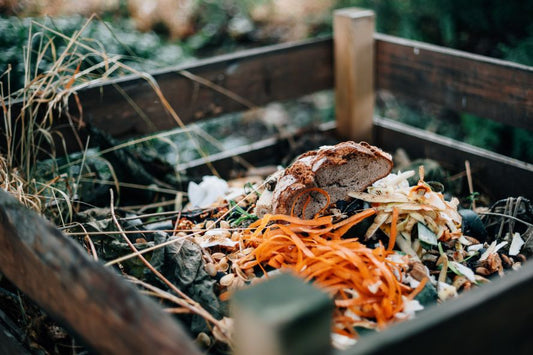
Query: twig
[
  {"x": 507, "y": 210},
  {"x": 141, "y": 208},
  {"x": 134, "y": 186},
  {"x": 470, "y": 184},
  {"x": 88, "y": 240},
  {"x": 177, "y": 310},
  {"x": 148, "y": 231},
  {"x": 91, "y": 245},
  {"x": 157, "y": 214},
  {"x": 506, "y": 216},
  {"x": 221, "y": 90},
  {"x": 157, "y": 292},
  {"x": 168, "y": 242},
  {"x": 189, "y": 303}
]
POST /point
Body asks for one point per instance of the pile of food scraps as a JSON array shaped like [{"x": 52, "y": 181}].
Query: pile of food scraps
[
  {"x": 383, "y": 248},
  {"x": 376, "y": 250}
]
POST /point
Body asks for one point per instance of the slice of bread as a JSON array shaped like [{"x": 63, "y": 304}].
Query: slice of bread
[{"x": 338, "y": 169}]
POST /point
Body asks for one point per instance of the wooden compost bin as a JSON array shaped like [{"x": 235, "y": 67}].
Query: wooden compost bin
[{"x": 112, "y": 317}]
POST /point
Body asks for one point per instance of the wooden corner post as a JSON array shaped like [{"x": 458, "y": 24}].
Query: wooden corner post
[
  {"x": 354, "y": 72},
  {"x": 282, "y": 316}
]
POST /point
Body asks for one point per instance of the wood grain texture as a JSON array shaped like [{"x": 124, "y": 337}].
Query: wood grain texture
[
  {"x": 93, "y": 301},
  {"x": 497, "y": 175},
  {"x": 463, "y": 82},
  {"x": 460, "y": 81},
  {"x": 259, "y": 76},
  {"x": 490, "y": 170},
  {"x": 490, "y": 319},
  {"x": 354, "y": 72}
]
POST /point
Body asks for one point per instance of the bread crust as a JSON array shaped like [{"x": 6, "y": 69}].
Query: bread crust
[{"x": 338, "y": 169}]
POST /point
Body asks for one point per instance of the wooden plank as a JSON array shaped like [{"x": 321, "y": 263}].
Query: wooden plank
[
  {"x": 110, "y": 315},
  {"x": 463, "y": 82},
  {"x": 490, "y": 319},
  {"x": 354, "y": 72},
  {"x": 258, "y": 76},
  {"x": 497, "y": 175},
  {"x": 271, "y": 319},
  {"x": 269, "y": 151}
]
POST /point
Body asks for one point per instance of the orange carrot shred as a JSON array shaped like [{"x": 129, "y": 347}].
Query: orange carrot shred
[
  {"x": 224, "y": 296},
  {"x": 393, "y": 229},
  {"x": 418, "y": 288},
  {"x": 361, "y": 280}
]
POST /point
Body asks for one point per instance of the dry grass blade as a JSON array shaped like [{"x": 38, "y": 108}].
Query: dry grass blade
[
  {"x": 88, "y": 241},
  {"x": 46, "y": 95},
  {"x": 148, "y": 231},
  {"x": 12, "y": 182},
  {"x": 189, "y": 303},
  {"x": 157, "y": 292},
  {"x": 133, "y": 186},
  {"x": 147, "y": 77},
  {"x": 162, "y": 245},
  {"x": 505, "y": 216},
  {"x": 43, "y": 97},
  {"x": 237, "y": 98}
]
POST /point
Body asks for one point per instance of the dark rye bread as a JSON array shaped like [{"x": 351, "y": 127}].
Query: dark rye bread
[{"x": 337, "y": 169}]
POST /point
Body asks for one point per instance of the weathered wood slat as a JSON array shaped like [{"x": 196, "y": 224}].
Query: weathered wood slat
[
  {"x": 491, "y": 319},
  {"x": 109, "y": 314},
  {"x": 259, "y": 76},
  {"x": 491, "y": 171},
  {"x": 268, "y": 151},
  {"x": 499, "y": 175},
  {"x": 464, "y": 82},
  {"x": 461, "y": 81}
]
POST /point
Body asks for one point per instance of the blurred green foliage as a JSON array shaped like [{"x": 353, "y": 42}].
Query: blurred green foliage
[
  {"x": 497, "y": 28},
  {"x": 137, "y": 49}
]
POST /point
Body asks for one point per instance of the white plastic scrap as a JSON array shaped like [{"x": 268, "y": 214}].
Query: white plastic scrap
[
  {"x": 516, "y": 244},
  {"x": 207, "y": 192}
]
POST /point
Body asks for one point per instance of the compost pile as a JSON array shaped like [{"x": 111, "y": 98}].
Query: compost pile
[
  {"x": 384, "y": 245},
  {"x": 383, "y": 251}
]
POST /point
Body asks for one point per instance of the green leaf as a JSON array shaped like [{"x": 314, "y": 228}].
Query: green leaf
[
  {"x": 441, "y": 251},
  {"x": 426, "y": 235}
]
